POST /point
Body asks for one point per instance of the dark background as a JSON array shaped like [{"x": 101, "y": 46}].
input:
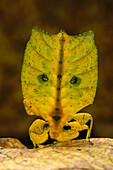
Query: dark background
[{"x": 74, "y": 16}]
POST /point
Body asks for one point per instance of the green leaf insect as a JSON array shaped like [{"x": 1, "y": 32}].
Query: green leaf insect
[{"x": 59, "y": 78}]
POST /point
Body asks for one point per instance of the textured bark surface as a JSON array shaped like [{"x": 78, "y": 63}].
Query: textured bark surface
[
  {"x": 11, "y": 143},
  {"x": 78, "y": 154}
]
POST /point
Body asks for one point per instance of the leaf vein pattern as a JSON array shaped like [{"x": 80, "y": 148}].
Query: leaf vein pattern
[
  {"x": 39, "y": 53},
  {"x": 88, "y": 52}
]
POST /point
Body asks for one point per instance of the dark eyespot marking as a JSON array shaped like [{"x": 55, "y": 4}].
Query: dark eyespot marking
[
  {"x": 57, "y": 109},
  {"x": 73, "y": 80},
  {"x": 56, "y": 118},
  {"x": 66, "y": 128},
  {"x": 60, "y": 62},
  {"x": 58, "y": 88},
  {"x": 46, "y": 126},
  {"x": 44, "y": 77},
  {"x": 59, "y": 76}
]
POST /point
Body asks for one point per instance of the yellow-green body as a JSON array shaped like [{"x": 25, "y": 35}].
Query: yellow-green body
[{"x": 61, "y": 59}]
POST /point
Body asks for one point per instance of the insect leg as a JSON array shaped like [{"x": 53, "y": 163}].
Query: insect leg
[
  {"x": 38, "y": 132},
  {"x": 71, "y": 131},
  {"x": 83, "y": 118}
]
